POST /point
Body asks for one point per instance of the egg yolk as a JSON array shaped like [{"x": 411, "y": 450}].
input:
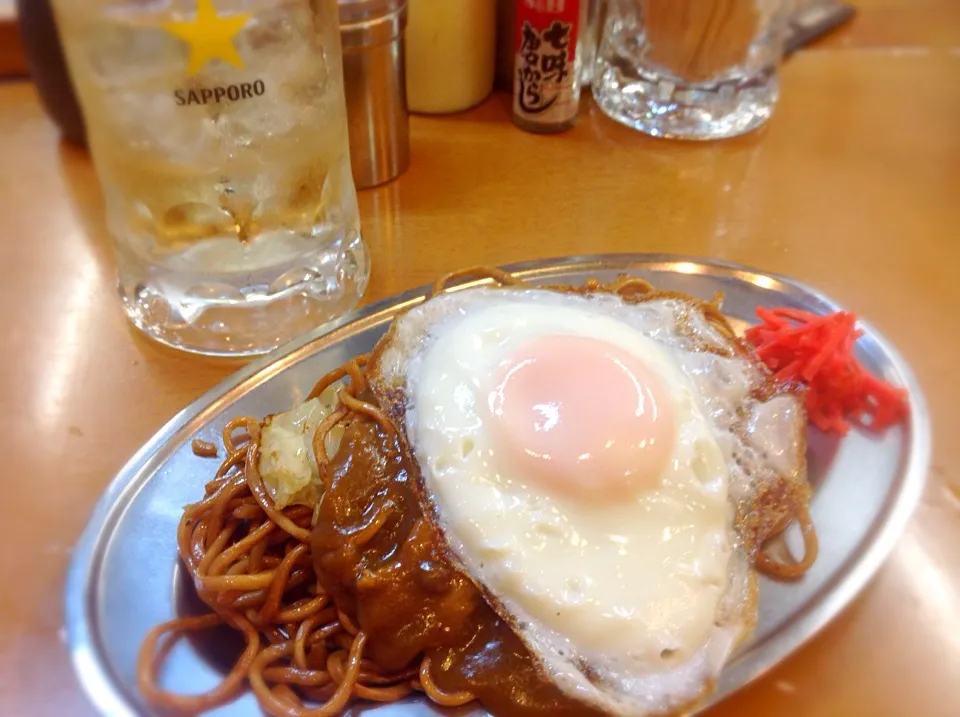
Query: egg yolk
[{"x": 578, "y": 414}]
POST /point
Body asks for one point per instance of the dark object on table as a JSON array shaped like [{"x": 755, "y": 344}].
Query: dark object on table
[
  {"x": 13, "y": 56},
  {"x": 48, "y": 68},
  {"x": 506, "y": 48},
  {"x": 813, "y": 21}
]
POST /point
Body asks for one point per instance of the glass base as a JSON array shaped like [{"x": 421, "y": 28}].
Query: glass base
[
  {"x": 659, "y": 106},
  {"x": 234, "y": 314}
]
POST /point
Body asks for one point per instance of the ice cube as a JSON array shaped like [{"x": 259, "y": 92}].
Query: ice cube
[
  {"x": 131, "y": 49},
  {"x": 191, "y": 221}
]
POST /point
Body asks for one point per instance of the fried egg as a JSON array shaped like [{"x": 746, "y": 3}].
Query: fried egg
[{"x": 589, "y": 462}]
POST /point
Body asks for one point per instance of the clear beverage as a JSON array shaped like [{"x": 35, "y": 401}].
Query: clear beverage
[
  {"x": 219, "y": 133},
  {"x": 690, "y": 69}
]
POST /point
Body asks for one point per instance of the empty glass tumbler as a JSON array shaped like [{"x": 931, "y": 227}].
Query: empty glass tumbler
[
  {"x": 690, "y": 69},
  {"x": 219, "y": 133}
]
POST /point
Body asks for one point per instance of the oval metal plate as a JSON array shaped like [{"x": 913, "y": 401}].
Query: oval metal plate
[{"x": 124, "y": 576}]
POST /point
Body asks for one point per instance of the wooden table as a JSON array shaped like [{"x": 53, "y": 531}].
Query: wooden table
[{"x": 854, "y": 187}]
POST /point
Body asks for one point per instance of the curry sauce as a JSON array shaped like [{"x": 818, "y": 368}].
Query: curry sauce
[{"x": 388, "y": 568}]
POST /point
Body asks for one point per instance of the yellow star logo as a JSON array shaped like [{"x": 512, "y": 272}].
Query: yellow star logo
[{"x": 210, "y": 36}]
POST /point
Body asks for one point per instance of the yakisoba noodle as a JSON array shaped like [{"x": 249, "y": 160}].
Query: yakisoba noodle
[{"x": 251, "y": 564}]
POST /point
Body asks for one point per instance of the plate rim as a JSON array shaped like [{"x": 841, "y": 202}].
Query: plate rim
[{"x": 95, "y": 678}]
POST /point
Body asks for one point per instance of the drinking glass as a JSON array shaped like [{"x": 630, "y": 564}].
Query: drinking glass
[
  {"x": 219, "y": 134},
  {"x": 690, "y": 69}
]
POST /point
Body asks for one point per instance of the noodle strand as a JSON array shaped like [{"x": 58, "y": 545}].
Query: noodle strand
[{"x": 811, "y": 548}]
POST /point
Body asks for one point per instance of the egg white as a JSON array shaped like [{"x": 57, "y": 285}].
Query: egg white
[{"x": 628, "y": 587}]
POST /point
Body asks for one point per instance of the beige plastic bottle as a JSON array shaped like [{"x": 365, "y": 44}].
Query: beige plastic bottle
[{"x": 450, "y": 53}]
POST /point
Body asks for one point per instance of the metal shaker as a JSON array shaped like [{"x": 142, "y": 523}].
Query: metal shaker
[{"x": 372, "y": 35}]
